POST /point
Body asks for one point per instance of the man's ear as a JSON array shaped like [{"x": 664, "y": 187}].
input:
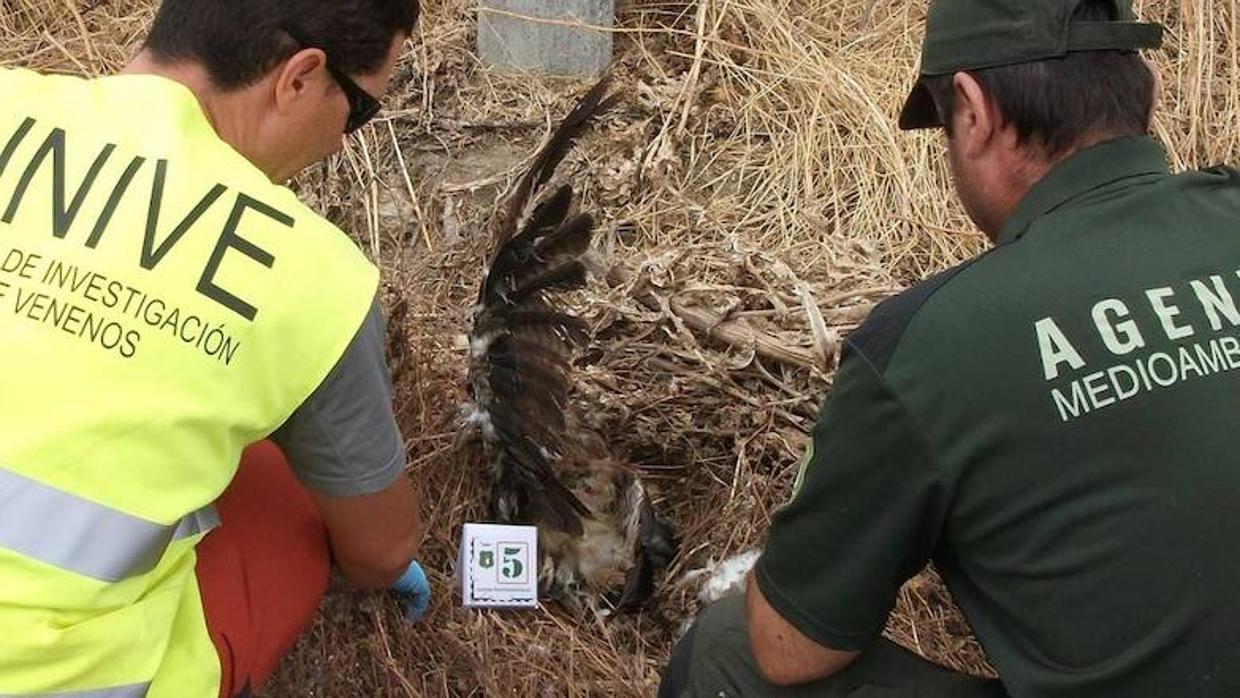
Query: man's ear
[
  {"x": 302, "y": 75},
  {"x": 975, "y": 122}
]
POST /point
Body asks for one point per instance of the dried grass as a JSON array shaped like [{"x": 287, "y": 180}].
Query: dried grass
[{"x": 753, "y": 174}]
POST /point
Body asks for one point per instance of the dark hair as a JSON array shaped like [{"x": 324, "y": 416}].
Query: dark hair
[
  {"x": 1057, "y": 103},
  {"x": 239, "y": 41}
]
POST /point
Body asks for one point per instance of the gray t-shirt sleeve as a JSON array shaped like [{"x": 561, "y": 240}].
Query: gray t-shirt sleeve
[{"x": 343, "y": 440}]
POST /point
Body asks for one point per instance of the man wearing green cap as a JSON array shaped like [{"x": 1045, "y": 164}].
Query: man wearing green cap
[{"x": 1053, "y": 424}]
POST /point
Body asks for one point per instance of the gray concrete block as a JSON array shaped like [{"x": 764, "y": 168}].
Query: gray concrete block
[{"x": 512, "y": 43}]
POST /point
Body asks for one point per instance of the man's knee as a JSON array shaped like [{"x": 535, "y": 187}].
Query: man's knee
[
  {"x": 714, "y": 656},
  {"x": 262, "y": 573},
  {"x": 714, "y": 659},
  {"x": 676, "y": 675}
]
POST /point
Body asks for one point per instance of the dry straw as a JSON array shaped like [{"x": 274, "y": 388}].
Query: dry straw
[{"x": 754, "y": 195}]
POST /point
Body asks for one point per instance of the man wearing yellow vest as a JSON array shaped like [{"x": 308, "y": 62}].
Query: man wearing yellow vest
[{"x": 165, "y": 302}]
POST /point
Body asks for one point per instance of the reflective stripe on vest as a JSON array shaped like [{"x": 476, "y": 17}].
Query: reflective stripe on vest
[
  {"x": 137, "y": 690},
  {"x": 87, "y": 538}
]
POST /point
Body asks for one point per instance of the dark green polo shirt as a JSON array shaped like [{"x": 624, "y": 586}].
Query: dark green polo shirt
[{"x": 1055, "y": 424}]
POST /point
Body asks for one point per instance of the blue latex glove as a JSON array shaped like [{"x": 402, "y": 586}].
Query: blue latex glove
[{"x": 414, "y": 590}]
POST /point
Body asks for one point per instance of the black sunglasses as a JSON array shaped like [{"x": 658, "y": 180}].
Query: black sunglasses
[{"x": 362, "y": 105}]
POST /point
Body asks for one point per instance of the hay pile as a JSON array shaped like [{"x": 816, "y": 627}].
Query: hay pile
[{"x": 752, "y": 181}]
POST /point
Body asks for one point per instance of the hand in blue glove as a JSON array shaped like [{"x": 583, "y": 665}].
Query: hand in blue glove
[{"x": 414, "y": 590}]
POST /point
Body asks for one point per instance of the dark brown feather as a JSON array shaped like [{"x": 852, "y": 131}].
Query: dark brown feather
[
  {"x": 564, "y": 277},
  {"x": 537, "y": 501},
  {"x": 567, "y": 327},
  {"x": 570, "y": 239},
  {"x": 515, "y": 256}
]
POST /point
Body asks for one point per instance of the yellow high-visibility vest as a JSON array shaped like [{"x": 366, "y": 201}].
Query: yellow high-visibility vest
[{"x": 162, "y": 305}]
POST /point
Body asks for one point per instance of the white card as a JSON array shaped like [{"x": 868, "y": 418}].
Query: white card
[{"x": 499, "y": 566}]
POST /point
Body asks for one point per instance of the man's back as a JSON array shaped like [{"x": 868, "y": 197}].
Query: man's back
[
  {"x": 1053, "y": 423},
  {"x": 1077, "y": 388},
  {"x": 155, "y": 314}
]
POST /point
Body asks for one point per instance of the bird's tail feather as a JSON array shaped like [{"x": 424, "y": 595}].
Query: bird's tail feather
[{"x": 656, "y": 545}]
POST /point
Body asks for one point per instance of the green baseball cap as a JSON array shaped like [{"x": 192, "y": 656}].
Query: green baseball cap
[{"x": 978, "y": 34}]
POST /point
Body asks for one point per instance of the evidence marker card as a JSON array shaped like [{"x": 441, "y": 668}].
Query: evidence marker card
[{"x": 499, "y": 566}]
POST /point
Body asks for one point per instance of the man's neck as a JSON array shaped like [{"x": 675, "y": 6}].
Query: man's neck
[{"x": 1033, "y": 168}]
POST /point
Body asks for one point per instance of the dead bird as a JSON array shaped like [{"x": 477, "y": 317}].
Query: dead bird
[{"x": 600, "y": 539}]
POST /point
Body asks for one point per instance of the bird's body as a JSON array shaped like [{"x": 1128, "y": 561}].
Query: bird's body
[{"x": 600, "y": 539}]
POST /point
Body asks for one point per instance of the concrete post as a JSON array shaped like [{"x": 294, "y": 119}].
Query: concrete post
[{"x": 508, "y": 42}]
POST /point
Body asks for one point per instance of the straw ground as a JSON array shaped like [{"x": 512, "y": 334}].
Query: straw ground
[{"x": 756, "y": 202}]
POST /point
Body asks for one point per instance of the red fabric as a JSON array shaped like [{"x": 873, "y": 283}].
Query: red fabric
[{"x": 263, "y": 572}]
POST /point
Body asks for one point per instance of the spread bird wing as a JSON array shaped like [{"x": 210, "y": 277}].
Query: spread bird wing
[{"x": 522, "y": 344}]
